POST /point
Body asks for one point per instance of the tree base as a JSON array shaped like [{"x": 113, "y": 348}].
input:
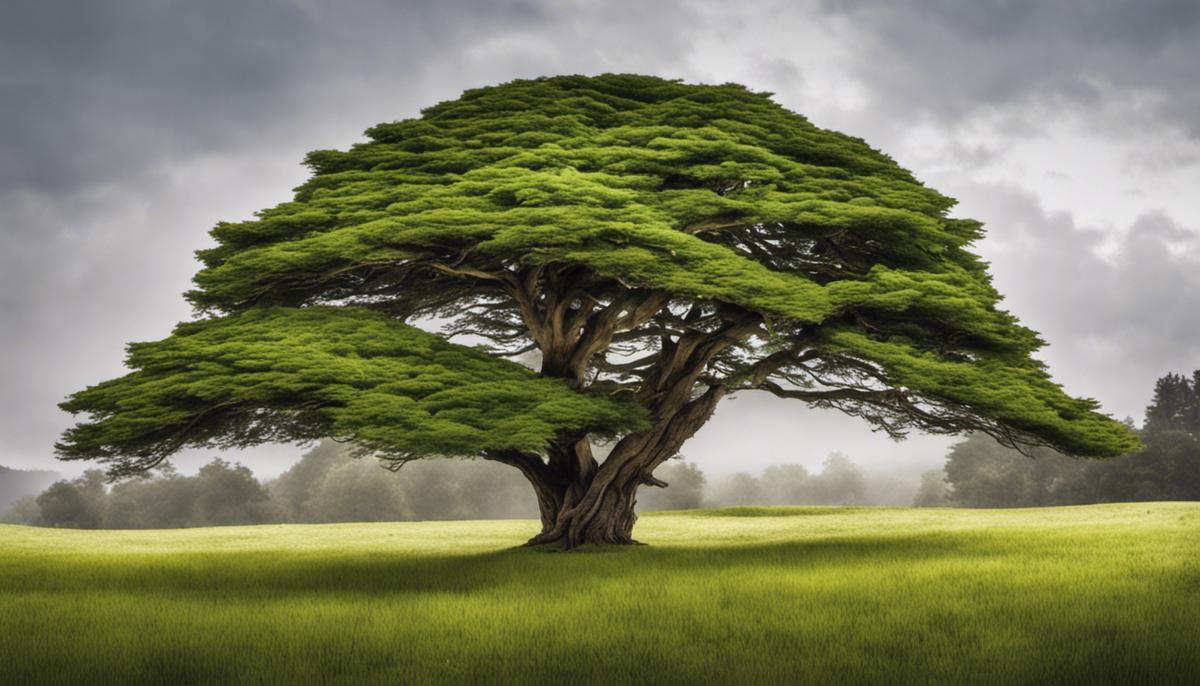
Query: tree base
[
  {"x": 560, "y": 545},
  {"x": 568, "y": 539}
]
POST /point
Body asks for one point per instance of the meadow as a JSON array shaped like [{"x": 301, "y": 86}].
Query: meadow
[{"x": 1106, "y": 594}]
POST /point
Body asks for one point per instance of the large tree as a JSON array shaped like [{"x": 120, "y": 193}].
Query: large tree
[{"x": 659, "y": 245}]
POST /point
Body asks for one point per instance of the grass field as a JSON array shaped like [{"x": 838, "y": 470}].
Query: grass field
[{"x": 1083, "y": 595}]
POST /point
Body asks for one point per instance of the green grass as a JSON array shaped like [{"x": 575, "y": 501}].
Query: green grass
[{"x": 1080, "y": 595}]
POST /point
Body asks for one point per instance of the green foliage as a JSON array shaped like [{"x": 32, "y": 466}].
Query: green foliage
[
  {"x": 1093, "y": 595},
  {"x": 163, "y": 500},
  {"x": 713, "y": 196},
  {"x": 356, "y": 491},
  {"x": 566, "y": 170},
  {"x": 296, "y": 374},
  {"x": 229, "y": 494},
  {"x": 294, "y": 488},
  {"x": 1167, "y": 469},
  {"x": 983, "y": 473},
  {"x": 1176, "y": 405},
  {"x": 220, "y": 494},
  {"x": 1019, "y": 396},
  {"x": 76, "y": 504},
  {"x": 327, "y": 484}
]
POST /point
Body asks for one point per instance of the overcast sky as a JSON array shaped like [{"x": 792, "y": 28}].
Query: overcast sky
[{"x": 127, "y": 129}]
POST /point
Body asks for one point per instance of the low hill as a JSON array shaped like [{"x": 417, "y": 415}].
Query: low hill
[
  {"x": 1102, "y": 594},
  {"x": 18, "y": 483}
]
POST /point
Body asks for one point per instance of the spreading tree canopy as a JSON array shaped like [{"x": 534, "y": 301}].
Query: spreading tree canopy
[{"x": 658, "y": 245}]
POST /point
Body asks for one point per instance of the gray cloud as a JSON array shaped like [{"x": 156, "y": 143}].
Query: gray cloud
[
  {"x": 1118, "y": 309},
  {"x": 949, "y": 60},
  {"x": 128, "y": 128},
  {"x": 105, "y": 89}
]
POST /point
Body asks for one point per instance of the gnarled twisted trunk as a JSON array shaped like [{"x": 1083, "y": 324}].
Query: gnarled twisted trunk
[
  {"x": 580, "y": 500},
  {"x": 584, "y": 502},
  {"x": 599, "y": 514}
]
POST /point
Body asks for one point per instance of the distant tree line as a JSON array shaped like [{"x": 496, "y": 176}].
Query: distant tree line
[
  {"x": 840, "y": 482},
  {"x": 327, "y": 485},
  {"x": 219, "y": 493},
  {"x": 979, "y": 472}
]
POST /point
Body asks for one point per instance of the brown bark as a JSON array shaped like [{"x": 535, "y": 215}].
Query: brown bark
[{"x": 582, "y": 502}]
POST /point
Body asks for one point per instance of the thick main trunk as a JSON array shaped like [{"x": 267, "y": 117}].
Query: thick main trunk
[
  {"x": 582, "y": 502},
  {"x": 579, "y": 504},
  {"x": 572, "y": 523}
]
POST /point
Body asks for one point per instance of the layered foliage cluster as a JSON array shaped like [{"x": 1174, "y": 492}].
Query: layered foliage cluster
[
  {"x": 652, "y": 240},
  {"x": 287, "y": 374}
]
